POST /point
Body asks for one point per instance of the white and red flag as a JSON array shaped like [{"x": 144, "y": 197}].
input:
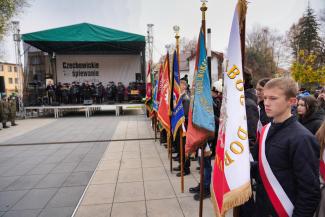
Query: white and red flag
[
  {"x": 322, "y": 165},
  {"x": 231, "y": 184}
]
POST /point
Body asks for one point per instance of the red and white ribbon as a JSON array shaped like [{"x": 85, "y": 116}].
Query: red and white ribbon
[{"x": 279, "y": 199}]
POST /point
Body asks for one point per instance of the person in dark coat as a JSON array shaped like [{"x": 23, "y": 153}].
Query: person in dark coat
[
  {"x": 264, "y": 119},
  {"x": 186, "y": 107},
  {"x": 292, "y": 153},
  {"x": 310, "y": 114},
  {"x": 252, "y": 114},
  {"x": 120, "y": 92},
  {"x": 320, "y": 135},
  {"x": 321, "y": 98}
]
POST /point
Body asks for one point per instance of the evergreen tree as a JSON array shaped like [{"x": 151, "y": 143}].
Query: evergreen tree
[{"x": 304, "y": 35}]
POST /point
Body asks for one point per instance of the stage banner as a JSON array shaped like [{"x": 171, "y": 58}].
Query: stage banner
[{"x": 97, "y": 68}]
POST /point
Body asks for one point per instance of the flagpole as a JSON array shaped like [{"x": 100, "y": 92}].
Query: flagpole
[
  {"x": 209, "y": 54},
  {"x": 155, "y": 124},
  {"x": 242, "y": 23},
  {"x": 176, "y": 30},
  {"x": 203, "y": 9},
  {"x": 242, "y": 7},
  {"x": 170, "y": 140}
]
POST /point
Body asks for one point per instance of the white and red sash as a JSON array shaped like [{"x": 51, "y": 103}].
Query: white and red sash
[
  {"x": 279, "y": 199},
  {"x": 322, "y": 166}
]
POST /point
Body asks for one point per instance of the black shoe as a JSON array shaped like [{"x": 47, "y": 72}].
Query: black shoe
[
  {"x": 176, "y": 158},
  {"x": 177, "y": 168},
  {"x": 14, "y": 124},
  {"x": 185, "y": 173},
  {"x": 197, "y": 168},
  {"x": 194, "y": 189},
  {"x": 206, "y": 194},
  {"x": 5, "y": 126}
]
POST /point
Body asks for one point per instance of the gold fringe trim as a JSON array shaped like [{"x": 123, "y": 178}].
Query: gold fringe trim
[
  {"x": 237, "y": 197},
  {"x": 179, "y": 123},
  {"x": 232, "y": 199}
]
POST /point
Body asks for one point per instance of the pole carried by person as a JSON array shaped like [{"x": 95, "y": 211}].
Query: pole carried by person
[
  {"x": 201, "y": 117},
  {"x": 178, "y": 117},
  {"x": 231, "y": 185},
  {"x": 155, "y": 100},
  {"x": 148, "y": 101}
]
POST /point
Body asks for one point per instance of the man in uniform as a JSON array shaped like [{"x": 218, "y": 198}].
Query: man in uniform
[
  {"x": 12, "y": 110},
  {"x": 5, "y": 111}
]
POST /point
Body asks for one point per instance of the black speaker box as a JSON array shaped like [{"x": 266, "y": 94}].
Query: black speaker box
[
  {"x": 138, "y": 76},
  {"x": 2, "y": 84}
]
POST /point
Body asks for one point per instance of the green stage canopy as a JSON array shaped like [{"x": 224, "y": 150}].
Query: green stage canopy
[{"x": 85, "y": 38}]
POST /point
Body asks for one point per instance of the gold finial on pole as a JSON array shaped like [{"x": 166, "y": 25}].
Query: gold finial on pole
[
  {"x": 204, "y": 8},
  {"x": 176, "y": 30}
]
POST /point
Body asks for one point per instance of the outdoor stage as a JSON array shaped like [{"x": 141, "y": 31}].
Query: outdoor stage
[{"x": 89, "y": 110}]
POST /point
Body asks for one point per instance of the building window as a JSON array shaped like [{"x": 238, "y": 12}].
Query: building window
[
  {"x": 15, "y": 68},
  {"x": 1, "y": 68},
  {"x": 10, "y": 80},
  {"x": 16, "y": 80},
  {"x": 9, "y": 69}
]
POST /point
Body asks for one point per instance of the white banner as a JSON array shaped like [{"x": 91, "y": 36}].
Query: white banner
[
  {"x": 97, "y": 68},
  {"x": 236, "y": 148}
]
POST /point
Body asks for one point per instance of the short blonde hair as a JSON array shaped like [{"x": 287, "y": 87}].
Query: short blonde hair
[{"x": 288, "y": 86}]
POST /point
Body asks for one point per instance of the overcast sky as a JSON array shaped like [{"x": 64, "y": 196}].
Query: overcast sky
[{"x": 134, "y": 15}]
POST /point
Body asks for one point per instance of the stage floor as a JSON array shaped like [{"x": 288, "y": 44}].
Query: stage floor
[{"x": 89, "y": 110}]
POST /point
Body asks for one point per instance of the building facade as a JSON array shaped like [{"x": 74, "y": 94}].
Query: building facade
[{"x": 13, "y": 78}]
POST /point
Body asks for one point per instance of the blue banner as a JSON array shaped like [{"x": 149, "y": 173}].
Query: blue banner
[
  {"x": 155, "y": 91},
  {"x": 203, "y": 115},
  {"x": 178, "y": 117}
]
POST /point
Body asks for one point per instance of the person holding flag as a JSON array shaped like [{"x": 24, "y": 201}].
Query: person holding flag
[
  {"x": 148, "y": 101},
  {"x": 178, "y": 115},
  {"x": 320, "y": 135}
]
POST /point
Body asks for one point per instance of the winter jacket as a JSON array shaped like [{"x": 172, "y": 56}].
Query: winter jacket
[
  {"x": 263, "y": 117},
  {"x": 293, "y": 155},
  {"x": 251, "y": 114},
  {"x": 314, "y": 121}
]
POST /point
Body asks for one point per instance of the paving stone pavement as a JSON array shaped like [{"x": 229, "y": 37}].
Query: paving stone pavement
[
  {"x": 116, "y": 179},
  {"x": 133, "y": 180}
]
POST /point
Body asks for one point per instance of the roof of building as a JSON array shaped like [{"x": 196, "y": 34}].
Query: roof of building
[
  {"x": 7, "y": 63},
  {"x": 216, "y": 54},
  {"x": 85, "y": 38}
]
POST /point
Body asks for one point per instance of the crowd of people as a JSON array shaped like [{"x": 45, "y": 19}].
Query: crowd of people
[
  {"x": 76, "y": 93},
  {"x": 8, "y": 109},
  {"x": 294, "y": 144}
]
